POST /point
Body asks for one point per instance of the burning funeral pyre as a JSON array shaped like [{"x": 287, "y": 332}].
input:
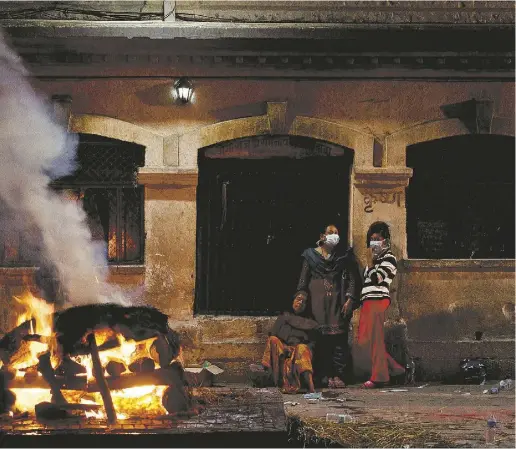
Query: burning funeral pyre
[{"x": 104, "y": 360}]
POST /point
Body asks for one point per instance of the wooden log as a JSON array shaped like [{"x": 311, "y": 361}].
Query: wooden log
[
  {"x": 45, "y": 368},
  {"x": 143, "y": 365},
  {"x": 7, "y": 398},
  {"x": 31, "y": 374},
  {"x": 115, "y": 368},
  {"x": 162, "y": 351},
  {"x": 98, "y": 372},
  {"x": 48, "y": 411},
  {"x": 11, "y": 342},
  {"x": 163, "y": 376},
  {"x": 78, "y": 383},
  {"x": 176, "y": 398},
  {"x": 69, "y": 368}
]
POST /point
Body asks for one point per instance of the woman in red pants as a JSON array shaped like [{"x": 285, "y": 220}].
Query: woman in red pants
[{"x": 370, "y": 353}]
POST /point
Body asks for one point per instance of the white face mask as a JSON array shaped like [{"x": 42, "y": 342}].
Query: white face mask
[
  {"x": 332, "y": 240},
  {"x": 376, "y": 246}
]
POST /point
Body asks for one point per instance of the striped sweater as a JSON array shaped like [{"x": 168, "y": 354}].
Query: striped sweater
[{"x": 377, "y": 279}]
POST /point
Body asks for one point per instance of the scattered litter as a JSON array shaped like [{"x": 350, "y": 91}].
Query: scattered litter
[
  {"x": 393, "y": 390},
  {"x": 491, "y": 430},
  {"x": 506, "y": 384},
  {"x": 466, "y": 394},
  {"x": 292, "y": 403},
  {"x": 423, "y": 386},
  {"x": 494, "y": 390},
  {"x": 473, "y": 371},
  {"x": 485, "y": 391},
  {"x": 339, "y": 419},
  {"x": 313, "y": 401},
  {"x": 340, "y": 400},
  {"x": 457, "y": 391},
  {"x": 313, "y": 396}
]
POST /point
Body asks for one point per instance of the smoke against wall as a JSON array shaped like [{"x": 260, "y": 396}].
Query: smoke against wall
[{"x": 34, "y": 149}]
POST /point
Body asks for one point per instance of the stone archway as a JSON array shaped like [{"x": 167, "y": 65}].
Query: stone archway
[
  {"x": 397, "y": 143},
  {"x": 275, "y": 121},
  {"x": 105, "y": 126}
]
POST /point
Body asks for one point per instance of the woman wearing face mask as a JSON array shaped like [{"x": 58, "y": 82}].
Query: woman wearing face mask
[
  {"x": 370, "y": 354},
  {"x": 331, "y": 285}
]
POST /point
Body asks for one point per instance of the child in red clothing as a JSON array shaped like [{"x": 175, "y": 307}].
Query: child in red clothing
[{"x": 370, "y": 354}]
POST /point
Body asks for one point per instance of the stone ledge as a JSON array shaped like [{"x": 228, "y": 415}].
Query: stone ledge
[
  {"x": 126, "y": 269},
  {"x": 416, "y": 265}
]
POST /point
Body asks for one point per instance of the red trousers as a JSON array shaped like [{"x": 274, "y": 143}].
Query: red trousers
[{"x": 370, "y": 354}]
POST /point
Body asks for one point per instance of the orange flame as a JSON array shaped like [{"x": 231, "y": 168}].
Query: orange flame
[
  {"x": 128, "y": 402},
  {"x": 42, "y": 312}
]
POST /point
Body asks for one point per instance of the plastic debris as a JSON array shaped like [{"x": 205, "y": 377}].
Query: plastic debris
[
  {"x": 313, "y": 401},
  {"x": 394, "y": 390},
  {"x": 494, "y": 390},
  {"x": 292, "y": 403},
  {"x": 506, "y": 384},
  {"x": 423, "y": 386},
  {"x": 313, "y": 396},
  {"x": 466, "y": 394},
  {"x": 339, "y": 419},
  {"x": 473, "y": 371},
  {"x": 491, "y": 430},
  {"x": 485, "y": 392}
]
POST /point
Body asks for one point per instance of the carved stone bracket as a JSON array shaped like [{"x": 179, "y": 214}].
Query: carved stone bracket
[{"x": 382, "y": 178}]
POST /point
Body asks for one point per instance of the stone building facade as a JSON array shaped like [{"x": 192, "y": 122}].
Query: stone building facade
[{"x": 387, "y": 83}]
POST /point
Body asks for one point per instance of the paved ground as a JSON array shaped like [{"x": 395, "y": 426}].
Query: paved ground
[{"x": 458, "y": 412}]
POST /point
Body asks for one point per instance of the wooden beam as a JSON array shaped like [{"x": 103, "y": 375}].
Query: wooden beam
[
  {"x": 98, "y": 372},
  {"x": 163, "y": 376}
]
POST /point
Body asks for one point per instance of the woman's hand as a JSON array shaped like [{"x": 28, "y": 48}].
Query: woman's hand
[{"x": 347, "y": 308}]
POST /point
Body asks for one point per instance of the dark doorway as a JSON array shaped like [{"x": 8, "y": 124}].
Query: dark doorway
[{"x": 257, "y": 213}]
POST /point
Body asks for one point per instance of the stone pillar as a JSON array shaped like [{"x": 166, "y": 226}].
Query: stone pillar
[
  {"x": 379, "y": 195},
  {"x": 170, "y": 224}
]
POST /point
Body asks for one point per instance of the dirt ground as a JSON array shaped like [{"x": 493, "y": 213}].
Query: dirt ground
[{"x": 458, "y": 413}]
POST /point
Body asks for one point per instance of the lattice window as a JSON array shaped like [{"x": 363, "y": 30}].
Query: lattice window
[
  {"x": 460, "y": 201},
  {"x": 104, "y": 184},
  {"x": 105, "y": 161}
]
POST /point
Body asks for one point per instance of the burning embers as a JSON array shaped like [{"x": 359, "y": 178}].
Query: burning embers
[{"x": 104, "y": 361}]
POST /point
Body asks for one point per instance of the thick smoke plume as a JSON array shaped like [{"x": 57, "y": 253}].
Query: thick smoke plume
[{"x": 34, "y": 149}]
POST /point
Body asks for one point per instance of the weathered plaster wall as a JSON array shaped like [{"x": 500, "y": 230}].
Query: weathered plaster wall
[{"x": 441, "y": 305}]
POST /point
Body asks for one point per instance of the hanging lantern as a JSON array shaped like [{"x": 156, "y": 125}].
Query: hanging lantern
[{"x": 184, "y": 90}]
